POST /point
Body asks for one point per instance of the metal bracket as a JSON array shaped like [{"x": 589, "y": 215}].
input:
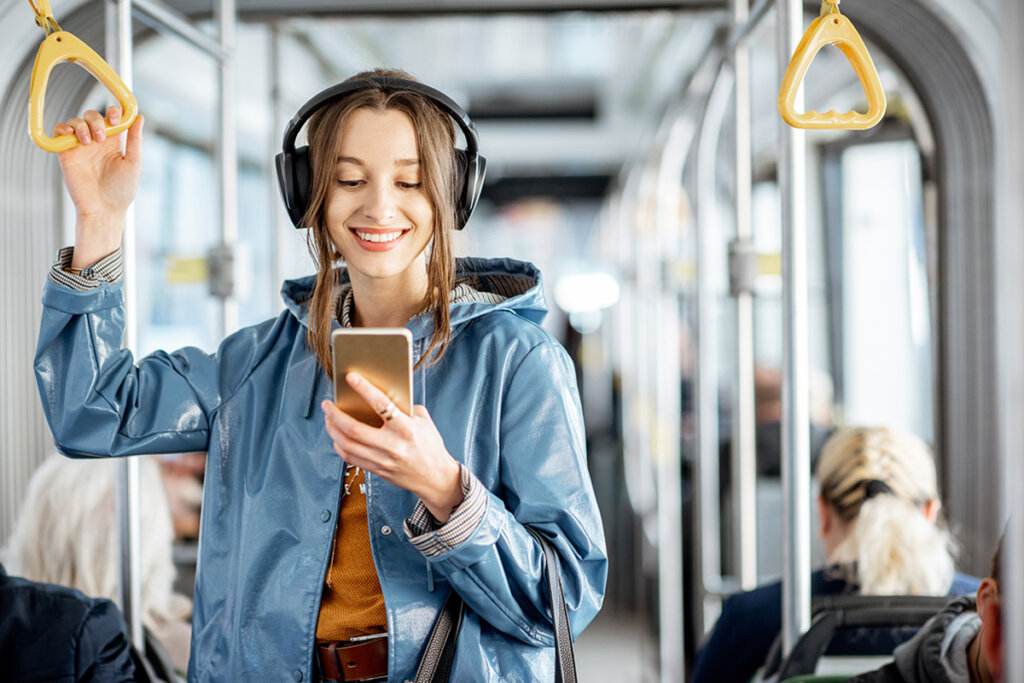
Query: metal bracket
[
  {"x": 220, "y": 269},
  {"x": 743, "y": 267}
]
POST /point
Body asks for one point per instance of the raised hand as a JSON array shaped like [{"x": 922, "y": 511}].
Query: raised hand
[{"x": 102, "y": 181}]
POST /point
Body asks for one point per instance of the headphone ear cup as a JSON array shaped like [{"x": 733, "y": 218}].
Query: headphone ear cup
[
  {"x": 295, "y": 180},
  {"x": 470, "y": 179}
]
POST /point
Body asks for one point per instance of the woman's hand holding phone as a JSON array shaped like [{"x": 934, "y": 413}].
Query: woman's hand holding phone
[
  {"x": 407, "y": 450},
  {"x": 101, "y": 180}
]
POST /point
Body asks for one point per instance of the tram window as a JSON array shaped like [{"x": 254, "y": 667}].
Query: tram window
[{"x": 881, "y": 316}]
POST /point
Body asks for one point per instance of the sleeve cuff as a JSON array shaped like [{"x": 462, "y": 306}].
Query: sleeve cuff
[
  {"x": 107, "y": 270},
  {"x": 434, "y": 539}
]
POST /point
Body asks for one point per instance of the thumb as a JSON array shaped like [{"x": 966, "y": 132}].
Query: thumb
[{"x": 133, "y": 145}]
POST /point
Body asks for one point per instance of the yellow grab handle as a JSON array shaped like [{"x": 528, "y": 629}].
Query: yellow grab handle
[
  {"x": 61, "y": 46},
  {"x": 832, "y": 28}
]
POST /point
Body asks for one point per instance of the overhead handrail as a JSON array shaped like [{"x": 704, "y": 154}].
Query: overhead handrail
[
  {"x": 832, "y": 28},
  {"x": 61, "y": 46}
]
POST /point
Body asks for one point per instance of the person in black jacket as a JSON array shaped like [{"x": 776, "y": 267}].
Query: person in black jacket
[
  {"x": 960, "y": 644},
  {"x": 57, "y": 634}
]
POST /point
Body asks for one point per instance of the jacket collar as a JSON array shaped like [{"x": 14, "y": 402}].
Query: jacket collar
[{"x": 509, "y": 285}]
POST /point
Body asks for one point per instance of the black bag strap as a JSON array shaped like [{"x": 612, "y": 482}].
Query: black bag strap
[
  {"x": 565, "y": 657},
  {"x": 436, "y": 663}
]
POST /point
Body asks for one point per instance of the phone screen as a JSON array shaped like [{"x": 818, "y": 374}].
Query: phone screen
[{"x": 384, "y": 357}]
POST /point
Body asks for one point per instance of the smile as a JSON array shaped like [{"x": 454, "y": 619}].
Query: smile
[{"x": 378, "y": 237}]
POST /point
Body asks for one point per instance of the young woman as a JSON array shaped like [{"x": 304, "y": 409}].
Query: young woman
[
  {"x": 879, "y": 508},
  {"x": 305, "y": 554}
]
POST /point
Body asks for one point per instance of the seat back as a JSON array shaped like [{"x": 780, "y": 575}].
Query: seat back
[{"x": 889, "y": 619}]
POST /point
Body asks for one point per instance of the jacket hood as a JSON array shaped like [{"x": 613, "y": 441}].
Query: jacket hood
[
  {"x": 502, "y": 284},
  {"x": 938, "y": 652}
]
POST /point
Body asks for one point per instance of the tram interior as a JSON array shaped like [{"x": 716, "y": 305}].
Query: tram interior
[{"x": 612, "y": 165}]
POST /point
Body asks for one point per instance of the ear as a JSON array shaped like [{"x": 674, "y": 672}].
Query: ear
[
  {"x": 931, "y": 510},
  {"x": 825, "y": 514},
  {"x": 991, "y": 634}
]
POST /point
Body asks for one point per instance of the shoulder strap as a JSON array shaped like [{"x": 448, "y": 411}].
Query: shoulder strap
[
  {"x": 436, "y": 662},
  {"x": 565, "y": 658}
]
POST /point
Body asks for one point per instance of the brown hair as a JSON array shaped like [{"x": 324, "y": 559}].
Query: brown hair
[{"x": 435, "y": 136}]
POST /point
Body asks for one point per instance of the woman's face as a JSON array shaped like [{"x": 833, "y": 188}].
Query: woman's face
[{"x": 378, "y": 215}]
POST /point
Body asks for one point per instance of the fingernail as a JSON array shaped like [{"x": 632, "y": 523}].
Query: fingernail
[
  {"x": 115, "y": 119},
  {"x": 352, "y": 378},
  {"x": 101, "y": 135}
]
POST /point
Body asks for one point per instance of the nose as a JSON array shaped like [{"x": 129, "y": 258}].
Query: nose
[{"x": 380, "y": 205}]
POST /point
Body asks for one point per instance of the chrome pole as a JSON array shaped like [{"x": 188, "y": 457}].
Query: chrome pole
[
  {"x": 669, "y": 406},
  {"x": 744, "y": 455},
  {"x": 227, "y": 159},
  {"x": 708, "y": 245},
  {"x": 127, "y": 503},
  {"x": 796, "y": 485},
  {"x": 1010, "y": 319}
]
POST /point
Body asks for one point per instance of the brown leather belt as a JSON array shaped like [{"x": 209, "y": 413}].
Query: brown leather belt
[{"x": 348, "y": 661}]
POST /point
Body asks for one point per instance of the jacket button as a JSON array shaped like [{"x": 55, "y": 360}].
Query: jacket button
[
  {"x": 297, "y": 675},
  {"x": 386, "y": 530},
  {"x": 325, "y": 515}
]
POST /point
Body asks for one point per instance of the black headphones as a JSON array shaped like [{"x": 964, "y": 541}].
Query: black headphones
[{"x": 293, "y": 170}]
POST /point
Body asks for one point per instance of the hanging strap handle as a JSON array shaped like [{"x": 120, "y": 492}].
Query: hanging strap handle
[
  {"x": 832, "y": 28},
  {"x": 435, "y": 664},
  {"x": 61, "y": 46}
]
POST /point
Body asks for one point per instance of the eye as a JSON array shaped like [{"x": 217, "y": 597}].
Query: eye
[
  {"x": 408, "y": 186},
  {"x": 350, "y": 183}
]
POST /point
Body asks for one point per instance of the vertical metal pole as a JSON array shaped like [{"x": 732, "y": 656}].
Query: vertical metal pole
[
  {"x": 227, "y": 152},
  {"x": 282, "y": 226},
  {"x": 709, "y": 243},
  {"x": 744, "y": 455},
  {"x": 1010, "y": 317},
  {"x": 669, "y": 411},
  {"x": 796, "y": 485},
  {"x": 127, "y": 504}
]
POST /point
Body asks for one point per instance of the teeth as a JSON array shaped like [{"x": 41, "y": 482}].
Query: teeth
[{"x": 378, "y": 236}]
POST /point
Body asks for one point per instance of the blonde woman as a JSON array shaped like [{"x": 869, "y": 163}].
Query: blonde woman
[
  {"x": 879, "y": 506},
  {"x": 65, "y": 535}
]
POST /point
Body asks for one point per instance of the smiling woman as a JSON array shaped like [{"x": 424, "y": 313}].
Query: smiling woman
[{"x": 300, "y": 573}]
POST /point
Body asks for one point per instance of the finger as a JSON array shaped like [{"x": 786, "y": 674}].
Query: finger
[
  {"x": 97, "y": 126},
  {"x": 376, "y": 398},
  {"x": 63, "y": 129},
  {"x": 133, "y": 146},
  {"x": 342, "y": 425},
  {"x": 114, "y": 114},
  {"x": 81, "y": 129}
]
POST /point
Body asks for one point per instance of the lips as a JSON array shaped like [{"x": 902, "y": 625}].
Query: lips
[{"x": 379, "y": 239}]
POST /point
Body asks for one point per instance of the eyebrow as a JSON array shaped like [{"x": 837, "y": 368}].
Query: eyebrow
[{"x": 360, "y": 162}]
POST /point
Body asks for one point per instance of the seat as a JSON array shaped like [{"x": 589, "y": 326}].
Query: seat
[{"x": 851, "y": 624}]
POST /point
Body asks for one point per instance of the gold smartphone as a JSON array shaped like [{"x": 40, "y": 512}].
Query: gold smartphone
[{"x": 383, "y": 355}]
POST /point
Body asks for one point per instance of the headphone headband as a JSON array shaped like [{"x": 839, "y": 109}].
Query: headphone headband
[{"x": 294, "y": 171}]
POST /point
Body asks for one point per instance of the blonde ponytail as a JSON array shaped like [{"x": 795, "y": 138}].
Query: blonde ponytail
[
  {"x": 895, "y": 550},
  {"x": 879, "y": 481}
]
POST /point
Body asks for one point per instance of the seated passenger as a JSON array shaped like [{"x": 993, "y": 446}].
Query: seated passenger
[
  {"x": 65, "y": 535},
  {"x": 879, "y": 506},
  {"x": 55, "y": 633},
  {"x": 962, "y": 643}
]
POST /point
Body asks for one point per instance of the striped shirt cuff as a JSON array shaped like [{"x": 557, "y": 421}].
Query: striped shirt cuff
[
  {"x": 433, "y": 538},
  {"x": 107, "y": 270}
]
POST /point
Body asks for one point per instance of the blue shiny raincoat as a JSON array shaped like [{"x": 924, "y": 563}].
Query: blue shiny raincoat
[{"x": 503, "y": 397}]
